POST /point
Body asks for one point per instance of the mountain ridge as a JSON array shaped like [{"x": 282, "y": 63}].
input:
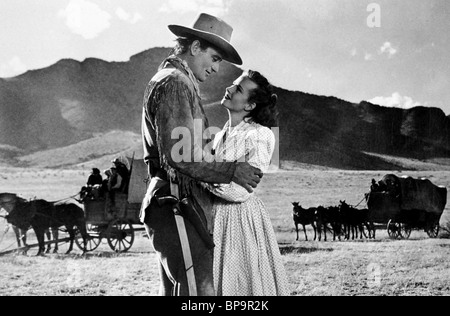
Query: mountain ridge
[{"x": 71, "y": 101}]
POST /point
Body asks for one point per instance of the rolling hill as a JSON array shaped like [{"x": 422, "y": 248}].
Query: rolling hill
[{"x": 53, "y": 117}]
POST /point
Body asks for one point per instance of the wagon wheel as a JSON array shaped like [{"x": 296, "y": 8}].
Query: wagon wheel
[
  {"x": 92, "y": 242},
  {"x": 433, "y": 230},
  {"x": 120, "y": 235},
  {"x": 405, "y": 231},
  {"x": 393, "y": 229}
]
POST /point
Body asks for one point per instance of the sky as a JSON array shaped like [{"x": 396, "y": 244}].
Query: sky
[{"x": 389, "y": 52}]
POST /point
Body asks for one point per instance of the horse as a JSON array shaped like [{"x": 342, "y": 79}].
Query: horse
[
  {"x": 328, "y": 215},
  {"x": 70, "y": 215},
  {"x": 354, "y": 219},
  {"x": 42, "y": 215},
  {"x": 364, "y": 219},
  {"x": 304, "y": 217},
  {"x": 7, "y": 203},
  {"x": 348, "y": 220}
]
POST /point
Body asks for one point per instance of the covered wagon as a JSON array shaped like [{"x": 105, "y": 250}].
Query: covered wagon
[
  {"x": 116, "y": 220},
  {"x": 405, "y": 203}
]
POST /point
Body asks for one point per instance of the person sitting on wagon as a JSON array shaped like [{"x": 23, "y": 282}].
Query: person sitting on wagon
[
  {"x": 93, "y": 184},
  {"x": 105, "y": 182},
  {"x": 94, "y": 178},
  {"x": 122, "y": 170},
  {"x": 382, "y": 186},
  {"x": 374, "y": 187},
  {"x": 114, "y": 184}
]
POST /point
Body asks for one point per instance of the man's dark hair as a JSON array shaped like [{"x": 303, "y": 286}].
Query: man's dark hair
[{"x": 183, "y": 43}]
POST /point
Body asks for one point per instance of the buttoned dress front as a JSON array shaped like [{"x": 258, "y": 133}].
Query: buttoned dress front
[{"x": 247, "y": 260}]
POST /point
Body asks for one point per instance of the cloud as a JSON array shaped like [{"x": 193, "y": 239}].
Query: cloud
[
  {"x": 215, "y": 7},
  {"x": 396, "y": 100},
  {"x": 12, "y": 68},
  {"x": 368, "y": 56},
  {"x": 128, "y": 17},
  {"x": 85, "y": 18},
  {"x": 388, "y": 49}
]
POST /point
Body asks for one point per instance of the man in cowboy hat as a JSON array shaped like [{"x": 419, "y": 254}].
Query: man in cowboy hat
[
  {"x": 172, "y": 100},
  {"x": 123, "y": 171}
]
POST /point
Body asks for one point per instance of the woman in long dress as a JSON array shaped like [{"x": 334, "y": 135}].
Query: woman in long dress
[{"x": 247, "y": 260}]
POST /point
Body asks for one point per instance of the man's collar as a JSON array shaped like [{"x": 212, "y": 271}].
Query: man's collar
[{"x": 182, "y": 65}]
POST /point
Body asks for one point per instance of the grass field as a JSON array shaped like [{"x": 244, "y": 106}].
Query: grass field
[{"x": 418, "y": 266}]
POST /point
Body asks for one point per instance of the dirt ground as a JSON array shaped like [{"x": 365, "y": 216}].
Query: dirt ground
[{"x": 418, "y": 266}]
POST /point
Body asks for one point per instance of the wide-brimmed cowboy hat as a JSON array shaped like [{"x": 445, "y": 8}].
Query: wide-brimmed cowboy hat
[{"x": 213, "y": 30}]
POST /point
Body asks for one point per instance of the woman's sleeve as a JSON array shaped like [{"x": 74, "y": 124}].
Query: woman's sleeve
[
  {"x": 231, "y": 192},
  {"x": 260, "y": 144}
]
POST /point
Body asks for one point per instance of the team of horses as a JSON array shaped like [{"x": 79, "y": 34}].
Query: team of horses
[
  {"x": 43, "y": 216},
  {"x": 343, "y": 220}
]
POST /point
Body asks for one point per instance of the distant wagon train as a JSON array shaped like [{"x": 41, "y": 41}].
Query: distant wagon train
[{"x": 405, "y": 203}]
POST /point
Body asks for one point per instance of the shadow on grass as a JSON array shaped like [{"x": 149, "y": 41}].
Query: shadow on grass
[
  {"x": 93, "y": 255},
  {"x": 286, "y": 250}
]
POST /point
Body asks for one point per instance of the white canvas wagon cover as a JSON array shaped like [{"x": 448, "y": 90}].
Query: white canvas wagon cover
[{"x": 138, "y": 181}]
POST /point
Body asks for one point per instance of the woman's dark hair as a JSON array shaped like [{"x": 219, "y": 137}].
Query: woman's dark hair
[
  {"x": 183, "y": 43},
  {"x": 266, "y": 111}
]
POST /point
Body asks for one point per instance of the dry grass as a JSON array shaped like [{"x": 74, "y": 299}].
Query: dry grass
[
  {"x": 413, "y": 267},
  {"x": 418, "y": 266},
  {"x": 98, "y": 273}
]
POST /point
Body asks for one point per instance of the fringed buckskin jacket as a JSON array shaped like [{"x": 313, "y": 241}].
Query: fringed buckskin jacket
[{"x": 172, "y": 103}]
